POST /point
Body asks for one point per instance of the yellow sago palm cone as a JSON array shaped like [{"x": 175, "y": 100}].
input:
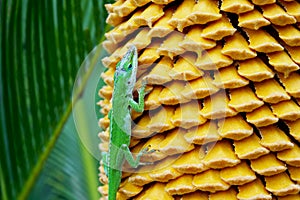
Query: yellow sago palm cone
[{"x": 222, "y": 109}]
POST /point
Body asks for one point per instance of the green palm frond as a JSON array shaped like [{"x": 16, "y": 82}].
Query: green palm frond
[
  {"x": 76, "y": 176},
  {"x": 42, "y": 46}
]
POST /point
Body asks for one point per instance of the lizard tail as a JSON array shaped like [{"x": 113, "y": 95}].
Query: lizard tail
[{"x": 113, "y": 183}]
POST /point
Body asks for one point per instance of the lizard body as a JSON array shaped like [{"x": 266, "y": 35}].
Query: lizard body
[{"x": 120, "y": 121}]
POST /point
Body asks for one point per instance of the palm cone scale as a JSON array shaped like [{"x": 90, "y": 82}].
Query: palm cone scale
[{"x": 223, "y": 102}]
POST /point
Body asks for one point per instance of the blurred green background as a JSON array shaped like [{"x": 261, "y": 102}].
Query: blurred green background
[{"x": 43, "y": 45}]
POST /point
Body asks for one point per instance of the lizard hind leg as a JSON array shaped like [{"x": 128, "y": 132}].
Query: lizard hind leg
[{"x": 130, "y": 159}]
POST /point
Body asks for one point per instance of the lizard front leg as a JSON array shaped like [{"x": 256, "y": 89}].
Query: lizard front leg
[{"x": 139, "y": 107}]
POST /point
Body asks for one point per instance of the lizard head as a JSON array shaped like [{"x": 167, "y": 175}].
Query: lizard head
[{"x": 126, "y": 69}]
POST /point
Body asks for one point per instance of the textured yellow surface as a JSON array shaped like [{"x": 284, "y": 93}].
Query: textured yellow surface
[
  {"x": 223, "y": 104},
  {"x": 244, "y": 99},
  {"x": 255, "y": 70},
  {"x": 236, "y": 47}
]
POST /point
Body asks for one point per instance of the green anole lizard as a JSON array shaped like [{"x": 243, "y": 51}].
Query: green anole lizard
[{"x": 120, "y": 121}]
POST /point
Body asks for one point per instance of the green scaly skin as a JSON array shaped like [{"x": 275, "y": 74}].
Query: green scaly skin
[{"x": 120, "y": 121}]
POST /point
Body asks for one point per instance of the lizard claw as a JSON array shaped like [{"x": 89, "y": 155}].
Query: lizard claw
[
  {"x": 147, "y": 151},
  {"x": 143, "y": 87},
  {"x": 152, "y": 151},
  {"x": 144, "y": 82}
]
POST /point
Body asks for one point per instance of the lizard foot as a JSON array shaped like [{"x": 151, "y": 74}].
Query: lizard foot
[
  {"x": 144, "y": 82},
  {"x": 143, "y": 87},
  {"x": 147, "y": 150}
]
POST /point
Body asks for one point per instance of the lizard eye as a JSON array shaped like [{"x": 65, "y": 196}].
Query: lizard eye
[{"x": 129, "y": 66}]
